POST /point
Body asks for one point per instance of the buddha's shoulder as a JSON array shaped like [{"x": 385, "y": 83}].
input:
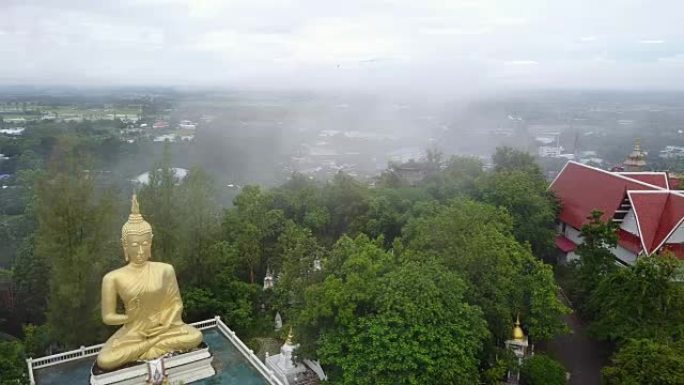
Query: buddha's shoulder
[
  {"x": 114, "y": 274},
  {"x": 161, "y": 266}
]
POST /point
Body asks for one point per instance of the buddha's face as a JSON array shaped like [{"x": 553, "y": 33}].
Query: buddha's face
[{"x": 138, "y": 248}]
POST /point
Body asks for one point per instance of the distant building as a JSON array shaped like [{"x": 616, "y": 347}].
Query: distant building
[
  {"x": 672, "y": 152},
  {"x": 550, "y": 145},
  {"x": 636, "y": 161},
  {"x": 12, "y": 131},
  {"x": 165, "y": 138},
  {"x": 178, "y": 173},
  {"x": 411, "y": 172},
  {"x": 160, "y": 124},
  {"x": 644, "y": 205},
  {"x": 549, "y": 151},
  {"x": 187, "y": 125}
]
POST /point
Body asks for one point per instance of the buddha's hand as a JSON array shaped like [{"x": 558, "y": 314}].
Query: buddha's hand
[
  {"x": 133, "y": 309},
  {"x": 154, "y": 331}
]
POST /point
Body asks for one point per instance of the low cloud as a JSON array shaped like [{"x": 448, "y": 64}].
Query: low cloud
[{"x": 430, "y": 44}]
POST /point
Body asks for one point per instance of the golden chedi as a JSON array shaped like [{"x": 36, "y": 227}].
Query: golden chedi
[
  {"x": 518, "y": 333},
  {"x": 152, "y": 324}
]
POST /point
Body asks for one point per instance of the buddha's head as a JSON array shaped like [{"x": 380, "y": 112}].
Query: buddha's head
[{"x": 136, "y": 236}]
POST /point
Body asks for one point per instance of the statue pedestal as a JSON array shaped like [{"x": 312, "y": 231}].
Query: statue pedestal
[{"x": 186, "y": 367}]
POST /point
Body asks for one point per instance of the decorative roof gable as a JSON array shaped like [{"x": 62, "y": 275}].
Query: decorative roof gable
[{"x": 582, "y": 189}]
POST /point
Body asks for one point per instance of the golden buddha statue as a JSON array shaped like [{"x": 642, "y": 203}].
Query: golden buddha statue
[{"x": 152, "y": 324}]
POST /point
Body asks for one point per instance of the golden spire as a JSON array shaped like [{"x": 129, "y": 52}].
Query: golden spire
[
  {"x": 289, "y": 337},
  {"x": 518, "y": 333},
  {"x": 135, "y": 208},
  {"x": 636, "y": 161},
  {"x": 135, "y": 216},
  {"x": 136, "y": 224}
]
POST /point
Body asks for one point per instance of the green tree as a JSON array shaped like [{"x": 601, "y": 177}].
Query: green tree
[
  {"x": 646, "y": 362},
  {"x": 640, "y": 301},
  {"x": 347, "y": 202},
  {"x": 12, "y": 364},
  {"x": 76, "y": 234},
  {"x": 159, "y": 205},
  {"x": 36, "y": 339},
  {"x": 31, "y": 272},
  {"x": 475, "y": 240},
  {"x": 230, "y": 298},
  {"x": 542, "y": 370},
  {"x": 301, "y": 200},
  {"x": 456, "y": 179},
  {"x": 532, "y": 208},
  {"x": 379, "y": 323},
  {"x": 596, "y": 259},
  {"x": 386, "y": 216},
  {"x": 223, "y": 293},
  {"x": 198, "y": 227},
  {"x": 253, "y": 226},
  {"x": 509, "y": 159},
  {"x": 299, "y": 252}
]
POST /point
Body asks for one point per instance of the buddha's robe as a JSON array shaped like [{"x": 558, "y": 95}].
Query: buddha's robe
[{"x": 153, "y": 325}]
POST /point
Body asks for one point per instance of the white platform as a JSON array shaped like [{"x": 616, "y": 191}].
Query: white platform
[{"x": 186, "y": 367}]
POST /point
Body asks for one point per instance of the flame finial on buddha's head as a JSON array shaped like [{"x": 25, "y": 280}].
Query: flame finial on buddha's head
[{"x": 136, "y": 224}]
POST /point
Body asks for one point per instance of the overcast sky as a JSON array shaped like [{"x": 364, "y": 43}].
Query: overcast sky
[{"x": 420, "y": 44}]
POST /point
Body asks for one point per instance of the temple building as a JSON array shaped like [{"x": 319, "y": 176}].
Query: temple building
[
  {"x": 648, "y": 211},
  {"x": 636, "y": 161}
]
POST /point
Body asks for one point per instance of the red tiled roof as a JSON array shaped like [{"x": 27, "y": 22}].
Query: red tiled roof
[
  {"x": 583, "y": 188},
  {"x": 658, "y": 215},
  {"x": 648, "y": 208},
  {"x": 675, "y": 248},
  {"x": 629, "y": 241},
  {"x": 673, "y": 215},
  {"x": 565, "y": 244},
  {"x": 659, "y": 179}
]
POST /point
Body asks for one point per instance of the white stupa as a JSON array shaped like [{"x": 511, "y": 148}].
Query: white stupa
[{"x": 289, "y": 373}]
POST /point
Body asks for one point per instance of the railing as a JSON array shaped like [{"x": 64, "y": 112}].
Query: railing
[
  {"x": 93, "y": 350},
  {"x": 66, "y": 356},
  {"x": 207, "y": 324},
  {"x": 249, "y": 353}
]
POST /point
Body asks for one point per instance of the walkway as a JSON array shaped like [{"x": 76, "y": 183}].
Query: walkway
[{"x": 581, "y": 355}]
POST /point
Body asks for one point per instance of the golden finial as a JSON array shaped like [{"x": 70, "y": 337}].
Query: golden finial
[
  {"x": 136, "y": 224},
  {"x": 288, "y": 341},
  {"x": 518, "y": 333},
  {"x": 135, "y": 208}
]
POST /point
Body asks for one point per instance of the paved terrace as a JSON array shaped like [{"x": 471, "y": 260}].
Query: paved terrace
[{"x": 235, "y": 364}]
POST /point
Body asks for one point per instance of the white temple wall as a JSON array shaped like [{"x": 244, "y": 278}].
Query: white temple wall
[
  {"x": 573, "y": 234},
  {"x": 629, "y": 223},
  {"x": 624, "y": 255},
  {"x": 677, "y": 236}
]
